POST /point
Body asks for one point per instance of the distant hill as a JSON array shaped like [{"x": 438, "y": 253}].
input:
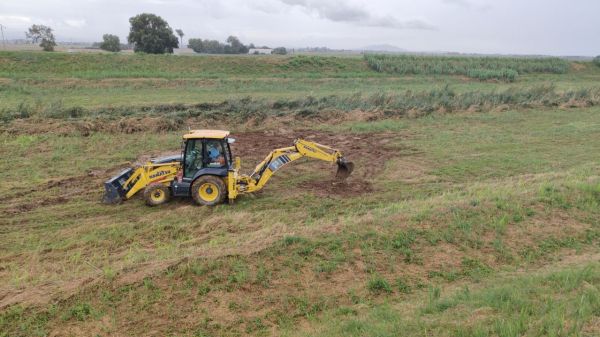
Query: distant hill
[{"x": 383, "y": 47}]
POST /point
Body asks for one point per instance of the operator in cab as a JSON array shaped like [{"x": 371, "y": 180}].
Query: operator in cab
[{"x": 215, "y": 156}]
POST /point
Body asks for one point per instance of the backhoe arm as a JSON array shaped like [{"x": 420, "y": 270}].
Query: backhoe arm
[{"x": 302, "y": 148}]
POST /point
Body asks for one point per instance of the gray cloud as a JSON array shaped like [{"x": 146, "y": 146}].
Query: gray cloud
[
  {"x": 469, "y": 5},
  {"x": 555, "y": 27},
  {"x": 339, "y": 11},
  {"x": 462, "y": 3}
]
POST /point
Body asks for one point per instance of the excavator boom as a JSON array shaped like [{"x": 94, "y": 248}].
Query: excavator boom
[{"x": 280, "y": 157}]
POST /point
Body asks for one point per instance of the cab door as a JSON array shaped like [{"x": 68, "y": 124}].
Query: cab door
[{"x": 193, "y": 159}]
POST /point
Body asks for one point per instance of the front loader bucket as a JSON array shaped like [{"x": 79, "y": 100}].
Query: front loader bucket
[
  {"x": 344, "y": 169},
  {"x": 114, "y": 190}
]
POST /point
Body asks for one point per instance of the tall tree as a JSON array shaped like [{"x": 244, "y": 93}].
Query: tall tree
[
  {"x": 279, "y": 51},
  {"x": 151, "y": 34},
  {"x": 110, "y": 43},
  {"x": 180, "y": 33},
  {"x": 235, "y": 46},
  {"x": 42, "y": 34}
]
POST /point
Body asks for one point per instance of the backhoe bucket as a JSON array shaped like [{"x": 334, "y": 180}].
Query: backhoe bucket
[
  {"x": 344, "y": 169},
  {"x": 114, "y": 190}
]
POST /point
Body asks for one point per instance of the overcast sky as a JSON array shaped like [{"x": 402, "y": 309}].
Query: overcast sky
[{"x": 554, "y": 27}]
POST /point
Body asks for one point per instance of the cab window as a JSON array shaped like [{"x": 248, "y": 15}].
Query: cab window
[
  {"x": 193, "y": 157},
  {"x": 215, "y": 154}
]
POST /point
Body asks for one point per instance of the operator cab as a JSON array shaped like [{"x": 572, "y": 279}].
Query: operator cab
[{"x": 205, "y": 152}]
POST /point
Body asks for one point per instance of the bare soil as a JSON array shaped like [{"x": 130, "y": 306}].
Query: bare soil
[{"x": 369, "y": 152}]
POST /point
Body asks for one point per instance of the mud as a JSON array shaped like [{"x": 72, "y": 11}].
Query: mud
[{"x": 368, "y": 152}]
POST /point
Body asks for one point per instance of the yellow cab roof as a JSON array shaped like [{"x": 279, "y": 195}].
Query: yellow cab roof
[{"x": 213, "y": 134}]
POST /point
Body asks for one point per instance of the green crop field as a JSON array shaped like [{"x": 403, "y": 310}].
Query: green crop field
[
  {"x": 473, "y": 210},
  {"x": 483, "y": 68}
]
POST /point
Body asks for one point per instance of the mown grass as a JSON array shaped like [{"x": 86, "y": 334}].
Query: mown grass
[
  {"x": 562, "y": 302},
  {"x": 482, "y": 68},
  {"x": 488, "y": 181},
  {"x": 467, "y": 216},
  {"x": 100, "y": 66}
]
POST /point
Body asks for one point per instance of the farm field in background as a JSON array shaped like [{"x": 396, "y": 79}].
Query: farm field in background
[
  {"x": 474, "y": 208},
  {"x": 99, "y": 80}
]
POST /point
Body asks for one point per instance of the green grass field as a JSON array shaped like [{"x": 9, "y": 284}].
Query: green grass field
[{"x": 474, "y": 208}]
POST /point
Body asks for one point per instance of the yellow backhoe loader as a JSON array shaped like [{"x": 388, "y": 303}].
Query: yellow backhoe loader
[{"x": 207, "y": 172}]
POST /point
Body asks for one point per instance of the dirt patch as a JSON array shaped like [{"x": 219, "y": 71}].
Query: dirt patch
[
  {"x": 351, "y": 187},
  {"x": 369, "y": 153},
  {"x": 62, "y": 191}
]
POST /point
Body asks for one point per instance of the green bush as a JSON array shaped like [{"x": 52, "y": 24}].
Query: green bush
[
  {"x": 378, "y": 284},
  {"x": 597, "y": 61},
  {"x": 110, "y": 43},
  {"x": 79, "y": 312}
]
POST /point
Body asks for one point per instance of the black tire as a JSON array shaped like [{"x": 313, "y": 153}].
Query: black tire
[
  {"x": 155, "y": 195},
  {"x": 209, "y": 190}
]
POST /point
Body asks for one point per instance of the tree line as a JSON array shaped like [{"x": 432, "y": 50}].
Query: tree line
[
  {"x": 233, "y": 45},
  {"x": 149, "y": 33}
]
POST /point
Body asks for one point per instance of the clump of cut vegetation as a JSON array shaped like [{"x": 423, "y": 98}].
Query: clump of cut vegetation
[
  {"x": 408, "y": 103},
  {"x": 483, "y": 68}
]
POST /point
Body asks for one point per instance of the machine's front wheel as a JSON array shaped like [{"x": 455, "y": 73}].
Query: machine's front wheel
[
  {"x": 209, "y": 190},
  {"x": 155, "y": 195}
]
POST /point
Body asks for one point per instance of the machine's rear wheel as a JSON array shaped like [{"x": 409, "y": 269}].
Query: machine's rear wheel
[
  {"x": 155, "y": 195},
  {"x": 209, "y": 190}
]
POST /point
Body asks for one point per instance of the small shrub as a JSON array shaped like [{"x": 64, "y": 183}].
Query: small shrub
[
  {"x": 403, "y": 240},
  {"x": 239, "y": 273},
  {"x": 79, "y": 312},
  {"x": 378, "y": 284},
  {"x": 403, "y": 286},
  {"x": 203, "y": 289},
  {"x": 290, "y": 240}
]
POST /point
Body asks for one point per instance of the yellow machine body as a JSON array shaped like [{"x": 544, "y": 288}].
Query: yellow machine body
[{"x": 150, "y": 174}]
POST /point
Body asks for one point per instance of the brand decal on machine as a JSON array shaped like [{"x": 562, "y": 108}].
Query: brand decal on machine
[
  {"x": 279, "y": 162},
  {"x": 159, "y": 174}
]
